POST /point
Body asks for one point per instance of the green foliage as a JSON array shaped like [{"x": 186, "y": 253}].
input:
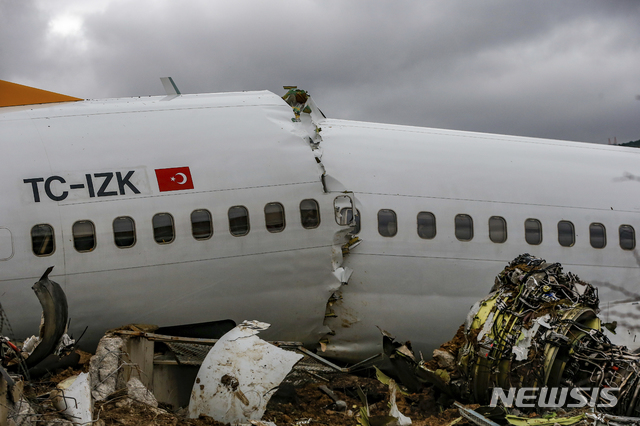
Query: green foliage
[{"x": 634, "y": 144}]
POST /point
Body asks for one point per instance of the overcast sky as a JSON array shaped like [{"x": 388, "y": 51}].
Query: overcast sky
[{"x": 561, "y": 69}]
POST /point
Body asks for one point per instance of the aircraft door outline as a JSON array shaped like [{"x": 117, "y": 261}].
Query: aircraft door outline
[{"x": 6, "y": 244}]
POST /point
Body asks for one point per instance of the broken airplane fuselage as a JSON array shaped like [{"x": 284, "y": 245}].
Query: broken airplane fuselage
[{"x": 195, "y": 208}]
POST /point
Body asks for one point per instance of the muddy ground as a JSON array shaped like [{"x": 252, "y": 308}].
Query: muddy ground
[{"x": 298, "y": 402}]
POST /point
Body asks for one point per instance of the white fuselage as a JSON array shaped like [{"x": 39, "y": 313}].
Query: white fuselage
[{"x": 243, "y": 149}]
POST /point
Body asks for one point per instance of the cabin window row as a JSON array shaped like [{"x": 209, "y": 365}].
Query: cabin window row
[
  {"x": 124, "y": 227},
  {"x": 463, "y": 225}
]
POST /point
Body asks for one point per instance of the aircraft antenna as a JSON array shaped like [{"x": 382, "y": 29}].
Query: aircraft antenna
[{"x": 169, "y": 86}]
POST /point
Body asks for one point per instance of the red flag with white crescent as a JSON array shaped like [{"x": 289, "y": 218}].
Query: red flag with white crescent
[{"x": 174, "y": 179}]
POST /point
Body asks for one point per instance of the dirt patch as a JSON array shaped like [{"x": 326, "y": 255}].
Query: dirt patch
[
  {"x": 296, "y": 402},
  {"x": 314, "y": 404},
  {"x": 141, "y": 415}
]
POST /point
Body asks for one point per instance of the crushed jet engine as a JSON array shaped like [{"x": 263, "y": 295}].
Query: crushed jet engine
[{"x": 537, "y": 329}]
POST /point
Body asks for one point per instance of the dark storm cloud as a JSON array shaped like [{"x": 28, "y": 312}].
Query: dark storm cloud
[
  {"x": 553, "y": 69},
  {"x": 21, "y": 31}
]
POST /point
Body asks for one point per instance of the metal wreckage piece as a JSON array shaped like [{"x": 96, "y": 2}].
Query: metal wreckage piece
[
  {"x": 538, "y": 328},
  {"x": 55, "y": 312},
  {"x": 52, "y": 347}
]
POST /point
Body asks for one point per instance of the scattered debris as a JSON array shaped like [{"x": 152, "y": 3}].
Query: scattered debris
[
  {"x": 537, "y": 329},
  {"x": 137, "y": 376},
  {"x": 338, "y": 404},
  {"x": 21, "y": 414},
  {"x": 445, "y": 359},
  {"x": 474, "y": 417}
]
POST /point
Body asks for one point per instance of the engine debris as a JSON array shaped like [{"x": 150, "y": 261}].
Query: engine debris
[{"x": 534, "y": 342}]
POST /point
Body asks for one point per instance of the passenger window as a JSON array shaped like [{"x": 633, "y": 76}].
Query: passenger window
[
  {"x": 163, "y": 230},
  {"x": 464, "y": 227},
  {"x": 347, "y": 213},
  {"x": 42, "y": 240},
  {"x": 124, "y": 232},
  {"x": 627, "y": 237},
  {"x": 387, "y": 223},
  {"x": 497, "y": 229},
  {"x": 238, "y": 221},
  {"x": 597, "y": 235},
  {"x": 426, "y": 225},
  {"x": 84, "y": 236},
  {"x": 309, "y": 214},
  {"x": 533, "y": 231},
  {"x": 566, "y": 233},
  {"x": 274, "y": 217},
  {"x": 201, "y": 224}
]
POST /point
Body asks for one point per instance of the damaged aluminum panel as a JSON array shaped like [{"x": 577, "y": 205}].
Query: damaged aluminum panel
[{"x": 239, "y": 375}]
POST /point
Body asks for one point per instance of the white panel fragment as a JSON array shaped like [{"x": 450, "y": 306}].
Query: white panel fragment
[
  {"x": 73, "y": 397},
  {"x": 521, "y": 348},
  {"x": 343, "y": 274},
  {"x": 401, "y": 419},
  {"x": 488, "y": 325},
  {"x": 471, "y": 316},
  {"x": 239, "y": 375}
]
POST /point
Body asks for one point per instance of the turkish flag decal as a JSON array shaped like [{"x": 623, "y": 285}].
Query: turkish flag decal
[{"x": 174, "y": 179}]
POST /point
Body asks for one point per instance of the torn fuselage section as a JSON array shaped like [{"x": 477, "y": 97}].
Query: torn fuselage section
[
  {"x": 310, "y": 119},
  {"x": 538, "y": 330}
]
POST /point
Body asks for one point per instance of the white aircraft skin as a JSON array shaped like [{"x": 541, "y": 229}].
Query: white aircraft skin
[{"x": 243, "y": 149}]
